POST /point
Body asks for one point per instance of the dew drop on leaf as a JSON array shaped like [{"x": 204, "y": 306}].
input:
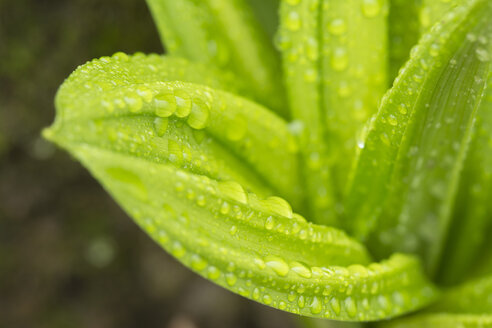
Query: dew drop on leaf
[
  {"x": 233, "y": 190},
  {"x": 165, "y": 103},
  {"x": 200, "y": 111},
  {"x": 277, "y": 264},
  {"x": 337, "y": 26},
  {"x": 183, "y": 103},
  {"x": 371, "y": 8},
  {"x": 160, "y": 125}
]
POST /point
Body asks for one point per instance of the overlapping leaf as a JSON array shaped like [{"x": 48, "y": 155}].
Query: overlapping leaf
[
  {"x": 172, "y": 153},
  {"x": 472, "y": 213},
  {"x": 334, "y": 58},
  {"x": 402, "y": 191},
  {"x": 468, "y": 305},
  {"x": 225, "y": 34}
]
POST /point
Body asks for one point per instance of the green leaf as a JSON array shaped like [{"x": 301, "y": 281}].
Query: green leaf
[
  {"x": 145, "y": 156},
  {"x": 267, "y": 13},
  {"x": 334, "y": 63},
  {"x": 442, "y": 320},
  {"x": 472, "y": 213},
  {"x": 125, "y": 86},
  {"x": 472, "y": 297},
  {"x": 402, "y": 191},
  {"x": 403, "y": 29},
  {"x": 225, "y": 34},
  {"x": 433, "y": 11},
  {"x": 468, "y": 305}
]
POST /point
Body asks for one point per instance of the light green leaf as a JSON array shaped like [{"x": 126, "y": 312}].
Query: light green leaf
[
  {"x": 468, "y": 305},
  {"x": 442, "y": 320},
  {"x": 146, "y": 157},
  {"x": 472, "y": 297},
  {"x": 404, "y": 185},
  {"x": 334, "y": 58},
  {"x": 225, "y": 34},
  {"x": 126, "y": 86},
  {"x": 403, "y": 28},
  {"x": 472, "y": 212},
  {"x": 433, "y": 11}
]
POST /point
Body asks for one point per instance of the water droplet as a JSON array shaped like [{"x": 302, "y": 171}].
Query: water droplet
[
  {"x": 385, "y": 139},
  {"x": 434, "y": 49},
  {"x": 371, "y": 8},
  {"x": 259, "y": 263},
  {"x": 183, "y": 103},
  {"x": 145, "y": 93},
  {"x": 269, "y": 223},
  {"x": 165, "y": 103},
  {"x": 312, "y": 49},
  {"x": 134, "y": 102},
  {"x": 392, "y": 120},
  {"x": 343, "y": 89},
  {"x": 282, "y": 41},
  {"x": 267, "y": 299},
  {"x": 256, "y": 294},
  {"x": 293, "y": 21},
  {"x": 482, "y": 54},
  {"x": 225, "y": 208},
  {"x": 361, "y": 144},
  {"x": 213, "y": 273},
  {"x": 233, "y": 190},
  {"x": 177, "y": 249},
  {"x": 278, "y": 206},
  {"x": 301, "y": 301},
  {"x": 108, "y": 106},
  {"x": 198, "y": 263},
  {"x": 335, "y": 305},
  {"x": 402, "y": 108},
  {"x": 201, "y": 201},
  {"x": 301, "y": 270},
  {"x": 160, "y": 125},
  {"x": 337, "y": 26},
  {"x": 350, "y": 307},
  {"x": 200, "y": 111},
  {"x": 231, "y": 279},
  {"x": 339, "y": 59},
  {"x": 310, "y": 75},
  {"x": 233, "y": 230},
  {"x": 120, "y": 56},
  {"x": 277, "y": 264},
  {"x": 316, "y": 306}
]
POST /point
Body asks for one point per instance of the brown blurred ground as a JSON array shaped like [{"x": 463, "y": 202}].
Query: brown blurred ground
[{"x": 69, "y": 257}]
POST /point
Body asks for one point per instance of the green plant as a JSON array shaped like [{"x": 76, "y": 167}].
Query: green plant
[{"x": 191, "y": 151}]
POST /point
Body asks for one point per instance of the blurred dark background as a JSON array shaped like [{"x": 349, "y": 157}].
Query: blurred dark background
[{"x": 69, "y": 256}]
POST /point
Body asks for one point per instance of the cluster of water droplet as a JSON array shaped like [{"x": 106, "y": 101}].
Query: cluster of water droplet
[{"x": 219, "y": 252}]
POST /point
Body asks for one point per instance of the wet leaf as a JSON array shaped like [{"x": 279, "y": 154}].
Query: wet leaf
[
  {"x": 175, "y": 158},
  {"x": 405, "y": 182},
  {"x": 225, "y": 34},
  {"x": 334, "y": 58}
]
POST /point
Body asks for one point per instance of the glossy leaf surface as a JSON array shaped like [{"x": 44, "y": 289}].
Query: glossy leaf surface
[
  {"x": 334, "y": 81},
  {"x": 468, "y": 305},
  {"x": 408, "y": 171},
  {"x": 174, "y": 165}
]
